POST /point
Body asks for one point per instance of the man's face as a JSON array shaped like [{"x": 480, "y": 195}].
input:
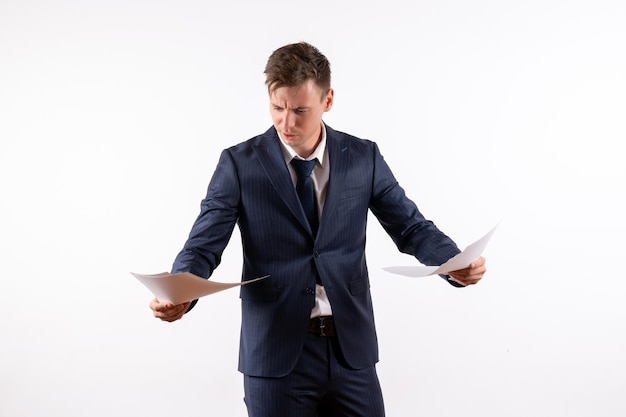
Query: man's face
[{"x": 297, "y": 115}]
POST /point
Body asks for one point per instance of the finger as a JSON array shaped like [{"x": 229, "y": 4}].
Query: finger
[
  {"x": 180, "y": 312},
  {"x": 167, "y": 315},
  {"x": 477, "y": 263},
  {"x": 474, "y": 278},
  {"x": 172, "y": 318},
  {"x": 466, "y": 278},
  {"x": 170, "y": 312},
  {"x": 468, "y": 281},
  {"x": 156, "y": 305}
]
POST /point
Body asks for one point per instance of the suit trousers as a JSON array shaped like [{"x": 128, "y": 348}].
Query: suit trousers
[{"x": 321, "y": 385}]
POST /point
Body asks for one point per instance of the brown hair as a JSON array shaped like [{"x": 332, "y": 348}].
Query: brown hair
[{"x": 294, "y": 64}]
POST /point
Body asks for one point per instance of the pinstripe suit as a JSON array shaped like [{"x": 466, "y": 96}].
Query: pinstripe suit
[{"x": 252, "y": 187}]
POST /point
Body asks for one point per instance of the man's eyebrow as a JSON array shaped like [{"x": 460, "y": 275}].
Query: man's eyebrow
[{"x": 299, "y": 108}]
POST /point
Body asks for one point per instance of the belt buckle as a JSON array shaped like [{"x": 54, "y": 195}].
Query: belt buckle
[{"x": 322, "y": 326}]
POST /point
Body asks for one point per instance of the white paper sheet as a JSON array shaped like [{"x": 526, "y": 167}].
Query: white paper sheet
[
  {"x": 460, "y": 261},
  {"x": 184, "y": 286}
]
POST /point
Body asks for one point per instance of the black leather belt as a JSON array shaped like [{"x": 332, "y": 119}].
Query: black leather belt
[{"x": 322, "y": 326}]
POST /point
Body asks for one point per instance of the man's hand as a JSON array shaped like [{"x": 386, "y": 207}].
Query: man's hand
[
  {"x": 470, "y": 275},
  {"x": 168, "y": 311}
]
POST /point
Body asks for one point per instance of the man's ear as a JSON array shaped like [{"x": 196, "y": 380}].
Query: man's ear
[{"x": 329, "y": 99}]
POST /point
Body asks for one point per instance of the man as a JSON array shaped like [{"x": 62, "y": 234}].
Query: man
[{"x": 308, "y": 341}]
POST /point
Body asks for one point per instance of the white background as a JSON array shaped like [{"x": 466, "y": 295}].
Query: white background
[{"x": 112, "y": 117}]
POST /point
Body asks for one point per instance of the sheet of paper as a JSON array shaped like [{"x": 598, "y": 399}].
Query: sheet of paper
[
  {"x": 184, "y": 286},
  {"x": 460, "y": 261}
]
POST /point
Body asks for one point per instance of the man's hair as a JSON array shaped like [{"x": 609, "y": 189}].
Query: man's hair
[{"x": 294, "y": 64}]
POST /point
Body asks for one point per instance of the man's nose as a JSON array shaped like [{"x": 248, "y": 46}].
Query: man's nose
[{"x": 288, "y": 120}]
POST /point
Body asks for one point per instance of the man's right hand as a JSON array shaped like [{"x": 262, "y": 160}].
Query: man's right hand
[{"x": 168, "y": 311}]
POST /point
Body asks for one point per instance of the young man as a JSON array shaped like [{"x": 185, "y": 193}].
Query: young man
[{"x": 308, "y": 340}]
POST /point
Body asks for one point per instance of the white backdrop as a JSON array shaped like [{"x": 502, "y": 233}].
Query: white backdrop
[{"x": 113, "y": 115}]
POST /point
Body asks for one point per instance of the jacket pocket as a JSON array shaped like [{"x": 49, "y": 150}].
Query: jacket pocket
[
  {"x": 359, "y": 286},
  {"x": 258, "y": 293}
]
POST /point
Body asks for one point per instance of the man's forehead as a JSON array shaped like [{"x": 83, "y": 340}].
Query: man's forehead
[
  {"x": 295, "y": 97},
  {"x": 301, "y": 95}
]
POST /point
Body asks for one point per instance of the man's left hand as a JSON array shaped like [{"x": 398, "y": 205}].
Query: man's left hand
[{"x": 470, "y": 275}]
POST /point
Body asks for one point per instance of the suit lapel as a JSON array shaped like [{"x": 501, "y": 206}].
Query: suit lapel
[
  {"x": 273, "y": 163},
  {"x": 339, "y": 155}
]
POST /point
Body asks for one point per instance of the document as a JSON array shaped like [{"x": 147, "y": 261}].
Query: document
[
  {"x": 185, "y": 286},
  {"x": 460, "y": 261}
]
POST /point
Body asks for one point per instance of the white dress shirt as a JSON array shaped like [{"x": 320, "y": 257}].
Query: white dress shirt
[{"x": 319, "y": 178}]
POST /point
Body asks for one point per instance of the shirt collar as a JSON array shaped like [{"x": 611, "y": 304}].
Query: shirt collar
[{"x": 318, "y": 153}]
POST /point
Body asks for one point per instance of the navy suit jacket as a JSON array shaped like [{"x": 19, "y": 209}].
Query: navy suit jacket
[{"x": 251, "y": 187}]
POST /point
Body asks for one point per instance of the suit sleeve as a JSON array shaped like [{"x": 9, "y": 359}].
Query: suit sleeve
[
  {"x": 213, "y": 227},
  {"x": 412, "y": 233}
]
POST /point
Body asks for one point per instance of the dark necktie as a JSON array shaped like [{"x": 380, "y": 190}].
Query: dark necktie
[{"x": 304, "y": 188}]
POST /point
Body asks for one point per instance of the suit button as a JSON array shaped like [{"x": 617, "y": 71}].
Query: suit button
[
  {"x": 317, "y": 254},
  {"x": 310, "y": 291}
]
